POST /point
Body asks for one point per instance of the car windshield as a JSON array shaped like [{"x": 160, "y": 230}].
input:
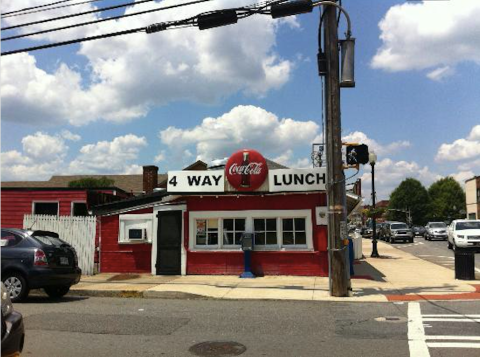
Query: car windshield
[
  {"x": 438, "y": 225},
  {"x": 467, "y": 225},
  {"x": 399, "y": 226}
]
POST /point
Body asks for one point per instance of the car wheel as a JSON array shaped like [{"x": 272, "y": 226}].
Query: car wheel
[
  {"x": 450, "y": 246},
  {"x": 410, "y": 240},
  {"x": 57, "y": 291},
  {"x": 16, "y": 286}
]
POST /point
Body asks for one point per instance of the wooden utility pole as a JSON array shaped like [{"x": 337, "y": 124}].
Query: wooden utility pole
[{"x": 337, "y": 217}]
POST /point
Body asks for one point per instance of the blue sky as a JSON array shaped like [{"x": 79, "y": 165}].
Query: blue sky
[{"x": 113, "y": 105}]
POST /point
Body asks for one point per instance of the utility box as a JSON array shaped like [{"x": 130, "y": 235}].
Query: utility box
[
  {"x": 464, "y": 265},
  {"x": 247, "y": 241}
]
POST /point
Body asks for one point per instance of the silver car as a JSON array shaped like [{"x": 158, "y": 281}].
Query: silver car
[
  {"x": 436, "y": 230},
  {"x": 396, "y": 231}
]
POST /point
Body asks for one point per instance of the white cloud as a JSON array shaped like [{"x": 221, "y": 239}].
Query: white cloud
[
  {"x": 429, "y": 35},
  {"x": 131, "y": 74},
  {"x": 44, "y": 147},
  {"x": 461, "y": 149},
  {"x": 389, "y": 174},
  {"x": 462, "y": 176},
  {"x": 381, "y": 150},
  {"x": 440, "y": 73},
  {"x": 160, "y": 157},
  {"x": 44, "y": 155},
  {"x": 242, "y": 127},
  {"x": 68, "y": 135},
  {"x": 109, "y": 156},
  {"x": 37, "y": 15}
]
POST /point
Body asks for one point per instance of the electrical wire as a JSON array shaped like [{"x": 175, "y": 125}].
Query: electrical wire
[
  {"x": 99, "y": 20},
  {"x": 78, "y": 14},
  {"x": 192, "y": 21},
  {"x": 35, "y": 7},
  {"x": 70, "y": 42},
  {"x": 50, "y": 8}
]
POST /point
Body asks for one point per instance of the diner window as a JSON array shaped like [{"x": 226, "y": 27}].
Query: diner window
[
  {"x": 294, "y": 231},
  {"x": 46, "y": 208},
  {"x": 265, "y": 231},
  {"x": 207, "y": 232},
  {"x": 233, "y": 228}
]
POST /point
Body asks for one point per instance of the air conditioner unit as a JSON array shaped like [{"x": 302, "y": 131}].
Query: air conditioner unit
[{"x": 137, "y": 234}]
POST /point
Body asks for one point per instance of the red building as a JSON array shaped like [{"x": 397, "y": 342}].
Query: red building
[{"x": 195, "y": 225}]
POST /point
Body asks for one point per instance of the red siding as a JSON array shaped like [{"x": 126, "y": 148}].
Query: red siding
[
  {"x": 135, "y": 258},
  {"x": 122, "y": 258},
  {"x": 263, "y": 263},
  {"x": 15, "y": 204}
]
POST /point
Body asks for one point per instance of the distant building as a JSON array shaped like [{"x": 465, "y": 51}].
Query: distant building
[{"x": 472, "y": 193}]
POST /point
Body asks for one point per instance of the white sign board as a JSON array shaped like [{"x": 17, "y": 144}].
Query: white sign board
[
  {"x": 285, "y": 180},
  {"x": 196, "y": 181}
]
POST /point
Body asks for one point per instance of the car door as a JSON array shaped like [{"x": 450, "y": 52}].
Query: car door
[{"x": 10, "y": 255}]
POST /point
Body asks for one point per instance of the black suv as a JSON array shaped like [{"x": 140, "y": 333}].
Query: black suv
[{"x": 37, "y": 259}]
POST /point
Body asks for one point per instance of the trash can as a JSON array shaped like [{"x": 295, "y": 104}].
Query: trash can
[
  {"x": 464, "y": 265},
  {"x": 351, "y": 255}
]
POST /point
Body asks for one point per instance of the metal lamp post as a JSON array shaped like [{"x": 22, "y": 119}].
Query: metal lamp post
[{"x": 372, "y": 159}]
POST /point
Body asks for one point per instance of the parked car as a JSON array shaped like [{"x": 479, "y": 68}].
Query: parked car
[
  {"x": 13, "y": 331},
  {"x": 418, "y": 231},
  {"x": 35, "y": 260},
  {"x": 367, "y": 232},
  {"x": 436, "y": 230},
  {"x": 464, "y": 234},
  {"x": 396, "y": 231}
]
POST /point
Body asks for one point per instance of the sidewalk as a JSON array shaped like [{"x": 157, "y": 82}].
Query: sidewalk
[{"x": 396, "y": 276}]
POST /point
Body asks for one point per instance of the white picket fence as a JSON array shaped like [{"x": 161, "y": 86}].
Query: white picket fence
[{"x": 76, "y": 231}]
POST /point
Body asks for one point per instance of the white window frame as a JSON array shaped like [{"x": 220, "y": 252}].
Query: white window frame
[
  {"x": 233, "y": 246},
  {"x": 71, "y": 207},
  {"x": 267, "y": 246},
  {"x": 219, "y": 237},
  {"x": 249, "y": 215},
  {"x": 35, "y": 202},
  {"x": 293, "y": 246},
  {"x": 135, "y": 221}
]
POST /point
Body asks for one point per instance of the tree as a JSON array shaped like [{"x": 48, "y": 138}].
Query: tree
[
  {"x": 91, "y": 182},
  {"x": 447, "y": 200},
  {"x": 411, "y": 196}
]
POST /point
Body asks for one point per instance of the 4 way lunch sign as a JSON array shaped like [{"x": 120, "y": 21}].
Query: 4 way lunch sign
[{"x": 246, "y": 171}]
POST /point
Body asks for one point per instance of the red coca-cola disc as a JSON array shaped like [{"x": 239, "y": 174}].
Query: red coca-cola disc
[{"x": 246, "y": 170}]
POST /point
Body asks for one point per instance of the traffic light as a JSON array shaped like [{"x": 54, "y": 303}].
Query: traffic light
[{"x": 357, "y": 154}]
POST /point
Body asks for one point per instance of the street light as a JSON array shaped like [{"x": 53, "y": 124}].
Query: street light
[{"x": 372, "y": 159}]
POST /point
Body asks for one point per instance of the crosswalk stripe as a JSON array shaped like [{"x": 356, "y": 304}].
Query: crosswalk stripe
[
  {"x": 453, "y": 345},
  {"x": 416, "y": 333},
  {"x": 462, "y": 338},
  {"x": 451, "y": 315},
  {"x": 450, "y": 320}
]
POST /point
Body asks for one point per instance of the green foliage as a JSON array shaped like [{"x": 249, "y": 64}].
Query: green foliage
[
  {"x": 91, "y": 182},
  {"x": 447, "y": 200},
  {"x": 409, "y": 195},
  {"x": 374, "y": 212}
]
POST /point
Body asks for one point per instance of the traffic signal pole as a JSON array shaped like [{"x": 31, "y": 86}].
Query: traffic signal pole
[{"x": 337, "y": 218}]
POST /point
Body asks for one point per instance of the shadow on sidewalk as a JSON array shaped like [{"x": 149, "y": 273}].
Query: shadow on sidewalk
[{"x": 363, "y": 270}]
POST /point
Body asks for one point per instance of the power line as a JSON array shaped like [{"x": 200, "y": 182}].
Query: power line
[
  {"x": 70, "y": 42},
  {"x": 78, "y": 14},
  {"x": 100, "y": 20},
  {"x": 192, "y": 21},
  {"x": 35, "y": 7},
  {"x": 6, "y": 15}
]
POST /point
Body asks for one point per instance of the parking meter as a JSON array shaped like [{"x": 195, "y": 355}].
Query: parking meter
[
  {"x": 247, "y": 241},
  {"x": 247, "y": 247}
]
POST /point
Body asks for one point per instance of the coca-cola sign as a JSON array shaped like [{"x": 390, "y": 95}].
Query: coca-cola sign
[{"x": 246, "y": 170}]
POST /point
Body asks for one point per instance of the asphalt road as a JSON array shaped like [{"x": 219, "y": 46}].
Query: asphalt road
[
  {"x": 436, "y": 252},
  {"x": 157, "y": 327}
]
